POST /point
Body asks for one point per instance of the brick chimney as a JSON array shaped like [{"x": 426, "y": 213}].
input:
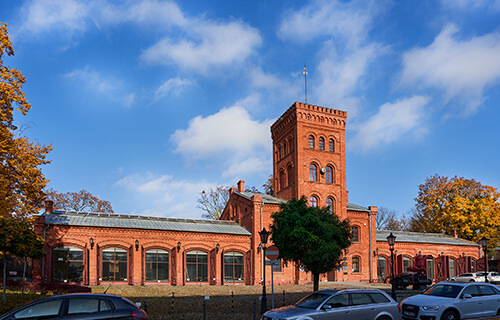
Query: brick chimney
[
  {"x": 455, "y": 233},
  {"x": 241, "y": 186},
  {"x": 49, "y": 206},
  {"x": 231, "y": 190}
]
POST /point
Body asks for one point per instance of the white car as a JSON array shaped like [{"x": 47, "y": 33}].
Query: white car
[
  {"x": 469, "y": 277},
  {"x": 453, "y": 301}
]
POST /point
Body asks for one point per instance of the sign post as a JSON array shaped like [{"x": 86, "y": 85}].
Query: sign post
[{"x": 272, "y": 253}]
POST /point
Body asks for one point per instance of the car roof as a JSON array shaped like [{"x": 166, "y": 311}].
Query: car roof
[{"x": 335, "y": 290}]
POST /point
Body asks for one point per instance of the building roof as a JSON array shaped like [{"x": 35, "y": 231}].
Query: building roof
[
  {"x": 354, "y": 207},
  {"x": 112, "y": 220},
  {"x": 268, "y": 199},
  {"x": 421, "y": 237}
]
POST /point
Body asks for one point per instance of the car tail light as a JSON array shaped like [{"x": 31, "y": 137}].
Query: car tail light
[
  {"x": 399, "y": 306},
  {"x": 138, "y": 314}
]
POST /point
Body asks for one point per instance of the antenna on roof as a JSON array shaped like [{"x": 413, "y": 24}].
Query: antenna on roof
[{"x": 305, "y": 79}]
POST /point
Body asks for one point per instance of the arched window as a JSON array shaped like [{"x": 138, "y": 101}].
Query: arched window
[
  {"x": 329, "y": 174},
  {"x": 114, "y": 264},
  {"x": 282, "y": 179},
  {"x": 157, "y": 265},
  {"x": 452, "y": 268},
  {"x": 321, "y": 143},
  {"x": 233, "y": 267},
  {"x": 330, "y": 204},
  {"x": 313, "y": 172},
  {"x": 331, "y": 145},
  {"x": 355, "y": 234},
  {"x": 313, "y": 201},
  {"x": 285, "y": 150},
  {"x": 197, "y": 266},
  {"x": 355, "y": 264},
  {"x": 67, "y": 264},
  {"x": 381, "y": 269},
  {"x": 279, "y": 152},
  {"x": 406, "y": 264},
  {"x": 311, "y": 142},
  {"x": 289, "y": 174},
  {"x": 430, "y": 268}
]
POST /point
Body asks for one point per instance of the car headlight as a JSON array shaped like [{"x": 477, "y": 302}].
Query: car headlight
[{"x": 430, "y": 308}]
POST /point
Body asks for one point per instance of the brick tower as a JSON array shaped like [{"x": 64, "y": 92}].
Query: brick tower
[{"x": 309, "y": 156}]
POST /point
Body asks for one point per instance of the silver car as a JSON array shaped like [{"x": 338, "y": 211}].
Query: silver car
[
  {"x": 452, "y": 301},
  {"x": 345, "y": 304}
]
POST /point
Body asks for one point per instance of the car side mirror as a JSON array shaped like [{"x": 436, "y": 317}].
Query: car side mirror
[
  {"x": 466, "y": 296},
  {"x": 327, "y": 307}
]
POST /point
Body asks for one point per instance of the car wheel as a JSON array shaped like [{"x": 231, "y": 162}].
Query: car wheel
[
  {"x": 472, "y": 280},
  {"x": 498, "y": 312},
  {"x": 450, "y": 315},
  {"x": 452, "y": 280},
  {"x": 384, "y": 318}
]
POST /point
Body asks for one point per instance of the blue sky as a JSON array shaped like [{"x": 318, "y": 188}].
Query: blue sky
[{"x": 147, "y": 103}]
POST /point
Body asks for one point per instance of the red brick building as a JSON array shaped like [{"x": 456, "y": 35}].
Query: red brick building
[{"x": 308, "y": 159}]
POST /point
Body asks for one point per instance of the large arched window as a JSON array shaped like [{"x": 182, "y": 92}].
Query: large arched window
[
  {"x": 355, "y": 234},
  {"x": 329, "y": 174},
  {"x": 114, "y": 264},
  {"x": 67, "y": 264},
  {"x": 331, "y": 145},
  {"x": 381, "y": 269},
  {"x": 311, "y": 142},
  {"x": 321, "y": 143},
  {"x": 197, "y": 266},
  {"x": 330, "y": 204},
  {"x": 313, "y": 172},
  {"x": 157, "y": 265},
  {"x": 313, "y": 201},
  {"x": 355, "y": 264},
  {"x": 233, "y": 267}
]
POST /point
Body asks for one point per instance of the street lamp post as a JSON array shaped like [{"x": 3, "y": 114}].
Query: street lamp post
[
  {"x": 484, "y": 244},
  {"x": 391, "y": 239},
  {"x": 264, "y": 234}
]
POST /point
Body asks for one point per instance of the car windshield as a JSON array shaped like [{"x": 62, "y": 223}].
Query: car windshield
[
  {"x": 443, "y": 290},
  {"x": 313, "y": 300}
]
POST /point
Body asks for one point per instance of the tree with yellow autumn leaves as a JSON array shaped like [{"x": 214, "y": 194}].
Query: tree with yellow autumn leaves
[
  {"x": 458, "y": 204},
  {"x": 21, "y": 179}
]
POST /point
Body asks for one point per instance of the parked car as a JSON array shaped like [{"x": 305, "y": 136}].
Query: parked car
[
  {"x": 494, "y": 277},
  {"x": 352, "y": 303},
  {"x": 79, "y": 306},
  {"x": 469, "y": 277},
  {"x": 452, "y": 301},
  {"x": 417, "y": 280}
]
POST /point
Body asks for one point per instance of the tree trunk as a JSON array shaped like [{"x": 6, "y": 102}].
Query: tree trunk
[
  {"x": 315, "y": 281},
  {"x": 4, "y": 276}
]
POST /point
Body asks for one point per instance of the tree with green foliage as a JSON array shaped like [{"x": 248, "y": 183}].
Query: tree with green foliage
[
  {"x": 457, "y": 204},
  {"x": 18, "y": 238},
  {"x": 310, "y": 236}
]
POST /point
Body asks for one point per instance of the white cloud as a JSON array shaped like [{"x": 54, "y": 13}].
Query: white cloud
[
  {"x": 109, "y": 86},
  {"x": 349, "y": 21},
  {"x": 339, "y": 77},
  {"x": 463, "y": 69},
  {"x": 230, "y": 129},
  {"x": 229, "y": 139},
  {"x": 66, "y": 16},
  {"x": 174, "y": 85},
  {"x": 163, "y": 195},
  {"x": 208, "y": 45},
  {"x": 392, "y": 122}
]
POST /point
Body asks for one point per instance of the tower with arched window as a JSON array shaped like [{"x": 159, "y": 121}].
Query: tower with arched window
[{"x": 314, "y": 163}]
